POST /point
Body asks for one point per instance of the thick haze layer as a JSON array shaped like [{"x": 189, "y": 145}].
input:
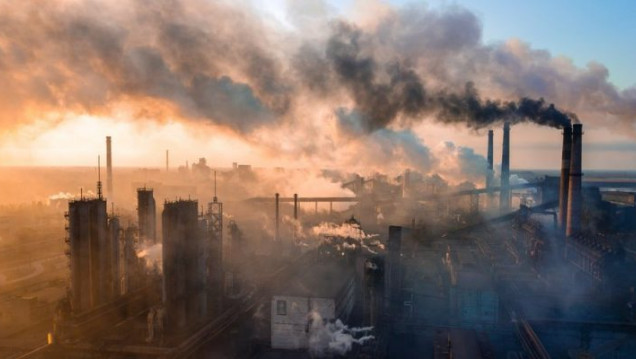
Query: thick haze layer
[{"x": 320, "y": 90}]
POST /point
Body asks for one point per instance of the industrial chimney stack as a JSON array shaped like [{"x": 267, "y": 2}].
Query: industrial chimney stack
[
  {"x": 504, "y": 197},
  {"x": 109, "y": 169},
  {"x": 489, "y": 173},
  {"x": 565, "y": 177},
  {"x": 575, "y": 196}
]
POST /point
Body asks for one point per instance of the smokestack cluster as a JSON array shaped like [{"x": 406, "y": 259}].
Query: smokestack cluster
[
  {"x": 575, "y": 197},
  {"x": 565, "y": 177},
  {"x": 504, "y": 197}
]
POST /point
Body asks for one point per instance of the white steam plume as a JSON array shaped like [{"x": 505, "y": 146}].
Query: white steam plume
[{"x": 326, "y": 339}]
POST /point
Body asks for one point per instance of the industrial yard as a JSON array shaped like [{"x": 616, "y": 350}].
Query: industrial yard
[{"x": 399, "y": 268}]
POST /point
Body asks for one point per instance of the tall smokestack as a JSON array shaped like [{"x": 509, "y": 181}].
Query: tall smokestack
[
  {"x": 109, "y": 169},
  {"x": 565, "y": 177},
  {"x": 167, "y": 161},
  {"x": 574, "y": 194},
  {"x": 504, "y": 197},
  {"x": 277, "y": 216},
  {"x": 489, "y": 173}
]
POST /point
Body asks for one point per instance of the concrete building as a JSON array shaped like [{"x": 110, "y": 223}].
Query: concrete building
[
  {"x": 183, "y": 266},
  {"x": 147, "y": 215},
  {"x": 325, "y": 291},
  {"x": 91, "y": 254}
]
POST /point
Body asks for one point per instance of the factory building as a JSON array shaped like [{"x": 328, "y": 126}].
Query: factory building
[
  {"x": 147, "y": 215},
  {"x": 183, "y": 265},
  {"x": 324, "y": 292},
  {"x": 94, "y": 244}
]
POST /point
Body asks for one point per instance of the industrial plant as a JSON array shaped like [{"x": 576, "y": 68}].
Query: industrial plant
[
  {"x": 410, "y": 266},
  {"x": 315, "y": 179}
]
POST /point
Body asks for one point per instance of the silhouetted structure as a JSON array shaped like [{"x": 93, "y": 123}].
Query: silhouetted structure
[
  {"x": 574, "y": 193},
  {"x": 213, "y": 232},
  {"x": 183, "y": 265},
  {"x": 109, "y": 169},
  {"x": 147, "y": 214},
  {"x": 490, "y": 170},
  {"x": 565, "y": 177},
  {"x": 90, "y": 252},
  {"x": 504, "y": 197}
]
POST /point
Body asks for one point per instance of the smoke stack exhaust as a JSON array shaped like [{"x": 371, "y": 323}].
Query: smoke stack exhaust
[
  {"x": 489, "y": 173},
  {"x": 109, "y": 169},
  {"x": 574, "y": 195},
  {"x": 504, "y": 196},
  {"x": 565, "y": 177}
]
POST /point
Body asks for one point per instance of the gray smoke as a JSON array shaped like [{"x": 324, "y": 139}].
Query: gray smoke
[
  {"x": 384, "y": 92},
  {"x": 223, "y": 63},
  {"x": 208, "y": 59}
]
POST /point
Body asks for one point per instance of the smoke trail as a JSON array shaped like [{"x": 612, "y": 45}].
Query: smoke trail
[{"x": 403, "y": 93}]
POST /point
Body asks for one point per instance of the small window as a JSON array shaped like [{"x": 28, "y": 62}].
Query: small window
[{"x": 281, "y": 307}]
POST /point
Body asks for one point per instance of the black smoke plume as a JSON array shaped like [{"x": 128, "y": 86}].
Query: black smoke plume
[{"x": 403, "y": 92}]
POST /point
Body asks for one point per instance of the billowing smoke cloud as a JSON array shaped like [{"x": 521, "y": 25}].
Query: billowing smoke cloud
[
  {"x": 219, "y": 63},
  {"x": 459, "y": 163},
  {"x": 403, "y": 92},
  {"x": 88, "y": 56}
]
